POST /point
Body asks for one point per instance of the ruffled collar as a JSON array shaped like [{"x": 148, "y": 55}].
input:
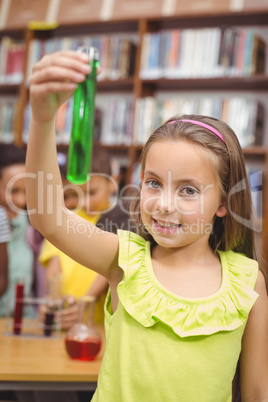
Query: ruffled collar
[{"x": 148, "y": 302}]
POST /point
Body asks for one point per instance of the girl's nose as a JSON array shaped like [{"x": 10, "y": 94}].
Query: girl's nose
[{"x": 165, "y": 202}]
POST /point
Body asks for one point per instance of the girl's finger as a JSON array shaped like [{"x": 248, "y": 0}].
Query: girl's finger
[
  {"x": 53, "y": 87},
  {"x": 63, "y": 61},
  {"x": 73, "y": 54},
  {"x": 56, "y": 74}
]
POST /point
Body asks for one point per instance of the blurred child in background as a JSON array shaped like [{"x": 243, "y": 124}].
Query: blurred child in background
[
  {"x": 92, "y": 201},
  {"x": 5, "y": 236},
  {"x": 35, "y": 239},
  {"x": 13, "y": 200}
]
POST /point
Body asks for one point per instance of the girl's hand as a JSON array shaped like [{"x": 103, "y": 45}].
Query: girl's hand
[{"x": 53, "y": 81}]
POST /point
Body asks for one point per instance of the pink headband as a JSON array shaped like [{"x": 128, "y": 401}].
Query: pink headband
[{"x": 198, "y": 123}]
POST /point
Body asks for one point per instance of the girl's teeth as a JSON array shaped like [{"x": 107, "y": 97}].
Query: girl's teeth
[{"x": 168, "y": 225}]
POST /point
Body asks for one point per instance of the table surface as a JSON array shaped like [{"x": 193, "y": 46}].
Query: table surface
[{"x": 43, "y": 359}]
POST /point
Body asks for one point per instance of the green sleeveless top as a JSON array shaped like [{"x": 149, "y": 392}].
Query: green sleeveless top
[{"x": 161, "y": 347}]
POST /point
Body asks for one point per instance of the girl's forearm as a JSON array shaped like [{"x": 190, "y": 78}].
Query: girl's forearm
[
  {"x": 43, "y": 179},
  {"x": 98, "y": 287}
]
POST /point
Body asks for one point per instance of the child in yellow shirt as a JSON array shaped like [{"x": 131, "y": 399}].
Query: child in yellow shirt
[{"x": 92, "y": 201}]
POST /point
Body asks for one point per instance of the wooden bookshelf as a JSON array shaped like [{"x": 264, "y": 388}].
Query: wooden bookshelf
[
  {"x": 125, "y": 84},
  {"x": 140, "y": 25},
  {"x": 12, "y": 89},
  {"x": 256, "y": 151},
  {"x": 256, "y": 83}
]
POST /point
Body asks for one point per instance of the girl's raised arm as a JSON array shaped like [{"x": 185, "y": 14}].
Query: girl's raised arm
[
  {"x": 254, "y": 356},
  {"x": 53, "y": 81}
]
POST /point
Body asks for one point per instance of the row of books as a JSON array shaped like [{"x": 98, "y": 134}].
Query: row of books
[
  {"x": 11, "y": 61},
  {"x": 8, "y": 111},
  {"x": 118, "y": 124},
  {"x": 244, "y": 116},
  {"x": 113, "y": 126},
  {"x": 209, "y": 52},
  {"x": 116, "y": 130},
  {"x": 117, "y": 53}
]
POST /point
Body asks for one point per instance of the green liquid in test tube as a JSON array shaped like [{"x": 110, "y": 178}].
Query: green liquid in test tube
[{"x": 81, "y": 139}]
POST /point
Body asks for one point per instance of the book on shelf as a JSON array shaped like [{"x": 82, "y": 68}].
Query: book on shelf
[
  {"x": 255, "y": 177},
  {"x": 119, "y": 116},
  {"x": 206, "y": 52},
  {"x": 12, "y": 57},
  {"x": 245, "y": 116},
  {"x": 8, "y": 110},
  {"x": 258, "y": 56},
  {"x": 172, "y": 51},
  {"x": 117, "y": 52},
  {"x": 145, "y": 50}
]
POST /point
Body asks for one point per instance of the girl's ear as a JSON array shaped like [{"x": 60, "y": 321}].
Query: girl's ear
[
  {"x": 222, "y": 210},
  {"x": 112, "y": 186}
]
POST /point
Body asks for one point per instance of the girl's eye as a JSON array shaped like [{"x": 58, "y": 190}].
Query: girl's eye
[
  {"x": 153, "y": 184},
  {"x": 190, "y": 191}
]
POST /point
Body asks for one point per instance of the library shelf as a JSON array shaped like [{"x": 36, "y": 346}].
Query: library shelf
[
  {"x": 112, "y": 147},
  {"x": 212, "y": 19},
  {"x": 258, "y": 151},
  {"x": 9, "y": 89},
  {"x": 125, "y": 84},
  {"x": 247, "y": 83}
]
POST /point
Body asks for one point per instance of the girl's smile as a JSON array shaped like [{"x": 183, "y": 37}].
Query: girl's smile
[{"x": 166, "y": 227}]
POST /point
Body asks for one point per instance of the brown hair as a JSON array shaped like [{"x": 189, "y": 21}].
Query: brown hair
[
  {"x": 234, "y": 231},
  {"x": 10, "y": 155}
]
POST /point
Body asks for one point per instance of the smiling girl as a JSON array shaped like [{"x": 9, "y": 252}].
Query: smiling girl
[{"x": 187, "y": 300}]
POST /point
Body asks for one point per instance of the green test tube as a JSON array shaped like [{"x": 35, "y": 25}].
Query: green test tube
[{"x": 81, "y": 138}]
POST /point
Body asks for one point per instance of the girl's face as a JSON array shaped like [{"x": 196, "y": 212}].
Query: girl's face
[
  {"x": 12, "y": 189},
  {"x": 180, "y": 194},
  {"x": 97, "y": 192}
]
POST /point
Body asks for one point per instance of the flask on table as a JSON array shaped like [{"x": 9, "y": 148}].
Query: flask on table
[
  {"x": 83, "y": 341},
  {"x": 81, "y": 139}
]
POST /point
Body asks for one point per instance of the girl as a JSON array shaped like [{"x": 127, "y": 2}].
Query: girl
[{"x": 186, "y": 299}]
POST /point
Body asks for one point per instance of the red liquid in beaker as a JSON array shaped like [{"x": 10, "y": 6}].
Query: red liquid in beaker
[{"x": 83, "y": 350}]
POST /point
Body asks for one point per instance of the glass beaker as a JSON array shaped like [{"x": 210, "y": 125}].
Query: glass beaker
[
  {"x": 83, "y": 341},
  {"x": 54, "y": 303}
]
